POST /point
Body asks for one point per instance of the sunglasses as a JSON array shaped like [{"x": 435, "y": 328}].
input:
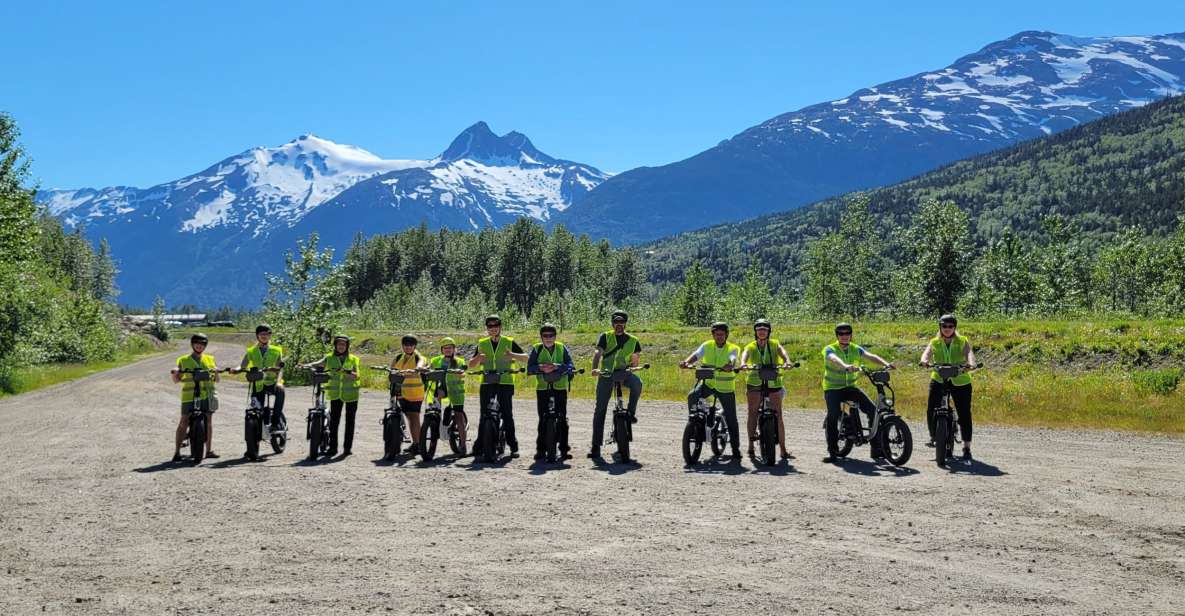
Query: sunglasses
[
  {"x": 844, "y": 334},
  {"x": 547, "y": 335},
  {"x": 947, "y": 326}
]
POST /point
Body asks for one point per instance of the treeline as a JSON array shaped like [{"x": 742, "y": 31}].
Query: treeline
[
  {"x": 934, "y": 266},
  {"x": 57, "y": 289},
  {"x": 1102, "y": 179}
]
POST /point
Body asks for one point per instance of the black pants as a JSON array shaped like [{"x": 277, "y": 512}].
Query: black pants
[
  {"x": 543, "y": 397},
  {"x": 728, "y": 403},
  {"x": 605, "y": 391},
  {"x": 277, "y": 401},
  {"x": 962, "y": 397},
  {"x": 335, "y": 416},
  {"x": 833, "y": 398},
  {"x": 505, "y": 394}
]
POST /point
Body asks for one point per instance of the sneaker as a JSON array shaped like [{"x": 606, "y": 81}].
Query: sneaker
[
  {"x": 211, "y": 454},
  {"x": 736, "y": 454},
  {"x": 830, "y": 460},
  {"x": 177, "y": 457},
  {"x": 346, "y": 453},
  {"x": 513, "y": 453},
  {"x": 966, "y": 454},
  {"x": 538, "y": 457},
  {"x": 331, "y": 453},
  {"x": 786, "y": 455},
  {"x": 566, "y": 456}
]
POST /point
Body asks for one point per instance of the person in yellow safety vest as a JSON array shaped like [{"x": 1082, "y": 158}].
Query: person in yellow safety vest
[
  {"x": 722, "y": 355},
  {"x": 454, "y": 410},
  {"x": 341, "y": 390},
  {"x": 546, "y": 357},
  {"x": 411, "y": 396},
  {"x": 764, "y": 352},
  {"x": 948, "y": 347},
  {"x": 262, "y": 355},
  {"x": 618, "y": 350},
  {"x": 841, "y": 362},
  {"x": 498, "y": 352},
  {"x": 196, "y": 360}
]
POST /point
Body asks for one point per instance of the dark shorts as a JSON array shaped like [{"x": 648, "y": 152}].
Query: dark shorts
[{"x": 410, "y": 406}]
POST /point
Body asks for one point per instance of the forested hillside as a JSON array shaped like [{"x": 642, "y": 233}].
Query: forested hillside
[{"x": 1099, "y": 179}]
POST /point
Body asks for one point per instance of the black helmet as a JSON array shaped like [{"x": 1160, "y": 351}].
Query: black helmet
[
  {"x": 263, "y": 328},
  {"x": 548, "y": 327},
  {"x": 620, "y": 315},
  {"x": 843, "y": 328},
  {"x": 202, "y": 338},
  {"x": 948, "y": 318},
  {"x": 720, "y": 326},
  {"x": 493, "y": 318},
  {"x": 409, "y": 340},
  {"x": 763, "y": 323}
]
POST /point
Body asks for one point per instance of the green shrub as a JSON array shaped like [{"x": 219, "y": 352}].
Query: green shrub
[{"x": 1160, "y": 382}]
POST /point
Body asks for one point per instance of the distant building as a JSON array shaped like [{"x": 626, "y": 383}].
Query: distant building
[{"x": 184, "y": 319}]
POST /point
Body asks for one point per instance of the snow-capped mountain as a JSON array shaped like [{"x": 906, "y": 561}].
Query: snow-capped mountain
[
  {"x": 242, "y": 213},
  {"x": 1030, "y": 85}
]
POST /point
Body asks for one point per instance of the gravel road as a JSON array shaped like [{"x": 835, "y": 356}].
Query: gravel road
[{"x": 94, "y": 520}]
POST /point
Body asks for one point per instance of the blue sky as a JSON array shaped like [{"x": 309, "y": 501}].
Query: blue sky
[{"x": 140, "y": 93}]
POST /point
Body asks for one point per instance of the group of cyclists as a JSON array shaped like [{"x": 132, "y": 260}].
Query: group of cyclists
[{"x": 615, "y": 360}]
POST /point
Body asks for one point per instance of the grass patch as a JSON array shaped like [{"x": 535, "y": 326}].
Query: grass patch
[
  {"x": 1105, "y": 374},
  {"x": 30, "y": 378}
]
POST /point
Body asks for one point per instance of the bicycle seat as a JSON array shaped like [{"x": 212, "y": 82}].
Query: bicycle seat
[
  {"x": 767, "y": 374},
  {"x": 704, "y": 374},
  {"x": 320, "y": 378},
  {"x": 947, "y": 372},
  {"x": 254, "y": 376}
]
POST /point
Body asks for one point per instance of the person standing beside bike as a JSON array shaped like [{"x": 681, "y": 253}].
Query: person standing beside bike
[
  {"x": 341, "y": 390},
  {"x": 454, "y": 383},
  {"x": 411, "y": 397},
  {"x": 196, "y": 360},
  {"x": 263, "y": 355},
  {"x": 948, "y": 347},
  {"x": 764, "y": 352},
  {"x": 616, "y": 350},
  {"x": 546, "y": 357},
  {"x": 498, "y": 352},
  {"x": 723, "y": 356},
  {"x": 841, "y": 362}
]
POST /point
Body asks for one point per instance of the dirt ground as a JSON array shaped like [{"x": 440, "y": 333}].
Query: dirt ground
[{"x": 93, "y": 519}]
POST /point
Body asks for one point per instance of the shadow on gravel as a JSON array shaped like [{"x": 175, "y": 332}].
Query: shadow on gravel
[
  {"x": 167, "y": 465},
  {"x": 478, "y": 465},
  {"x": 872, "y": 469},
  {"x": 399, "y": 460},
  {"x": 541, "y": 467},
  {"x": 438, "y": 461},
  {"x": 782, "y": 468},
  {"x": 233, "y": 462},
  {"x": 615, "y": 468},
  {"x": 717, "y": 467},
  {"x": 318, "y": 461},
  {"x": 976, "y": 467}
]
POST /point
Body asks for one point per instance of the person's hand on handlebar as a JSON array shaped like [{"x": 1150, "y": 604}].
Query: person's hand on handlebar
[
  {"x": 924, "y": 364},
  {"x": 547, "y": 368}
]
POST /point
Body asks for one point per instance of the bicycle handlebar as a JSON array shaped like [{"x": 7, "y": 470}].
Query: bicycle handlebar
[{"x": 780, "y": 367}]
